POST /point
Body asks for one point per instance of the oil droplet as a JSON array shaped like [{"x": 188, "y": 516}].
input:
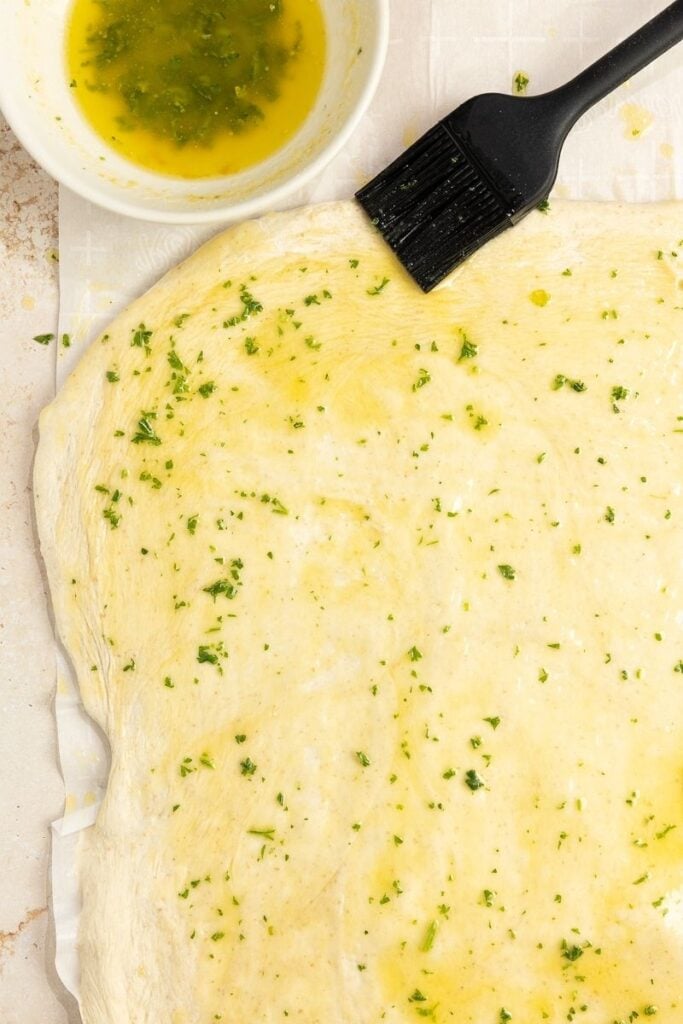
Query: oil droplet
[
  {"x": 636, "y": 120},
  {"x": 666, "y": 150},
  {"x": 410, "y": 135}
]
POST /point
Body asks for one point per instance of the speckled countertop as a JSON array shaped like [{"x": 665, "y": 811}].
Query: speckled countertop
[{"x": 31, "y": 793}]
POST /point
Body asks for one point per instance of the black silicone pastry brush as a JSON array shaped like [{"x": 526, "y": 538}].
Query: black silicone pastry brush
[{"x": 486, "y": 165}]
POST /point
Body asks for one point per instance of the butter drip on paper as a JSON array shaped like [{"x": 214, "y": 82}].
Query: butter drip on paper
[{"x": 636, "y": 119}]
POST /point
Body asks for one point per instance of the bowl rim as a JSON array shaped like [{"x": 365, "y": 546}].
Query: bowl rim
[{"x": 33, "y": 144}]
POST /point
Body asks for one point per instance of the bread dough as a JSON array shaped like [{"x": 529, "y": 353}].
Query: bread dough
[{"x": 377, "y": 597}]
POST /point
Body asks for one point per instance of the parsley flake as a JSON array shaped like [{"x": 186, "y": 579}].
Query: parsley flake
[
  {"x": 424, "y": 377},
  {"x": 474, "y": 780},
  {"x": 469, "y": 350},
  {"x": 571, "y": 953},
  {"x": 141, "y": 336},
  {"x": 145, "y": 433},
  {"x": 379, "y": 288},
  {"x": 250, "y": 307},
  {"x": 520, "y": 83}
]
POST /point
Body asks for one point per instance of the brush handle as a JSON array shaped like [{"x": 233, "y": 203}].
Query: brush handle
[{"x": 617, "y": 66}]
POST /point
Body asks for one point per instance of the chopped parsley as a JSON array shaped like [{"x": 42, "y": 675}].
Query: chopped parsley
[
  {"x": 417, "y": 997},
  {"x": 250, "y": 307},
  {"x": 141, "y": 336},
  {"x": 560, "y": 380},
  {"x": 619, "y": 394},
  {"x": 145, "y": 433},
  {"x": 429, "y": 936},
  {"x": 44, "y": 339},
  {"x": 379, "y": 288},
  {"x": 210, "y": 654},
  {"x": 468, "y": 350},
  {"x": 571, "y": 953},
  {"x": 474, "y": 780},
  {"x": 227, "y": 587},
  {"x": 507, "y": 572},
  {"x": 278, "y": 508},
  {"x": 423, "y": 378},
  {"x": 520, "y": 83},
  {"x": 265, "y": 833},
  {"x": 112, "y": 516}
]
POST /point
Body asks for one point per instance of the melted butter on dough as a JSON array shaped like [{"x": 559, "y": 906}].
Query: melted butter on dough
[{"x": 377, "y": 597}]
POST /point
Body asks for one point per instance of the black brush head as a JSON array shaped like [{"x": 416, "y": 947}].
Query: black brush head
[{"x": 473, "y": 175}]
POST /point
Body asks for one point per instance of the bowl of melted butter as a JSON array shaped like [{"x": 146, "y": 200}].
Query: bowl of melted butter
[{"x": 188, "y": 110}]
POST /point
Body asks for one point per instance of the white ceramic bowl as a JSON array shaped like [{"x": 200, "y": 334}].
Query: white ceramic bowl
[{"x": 38, "y": 104}]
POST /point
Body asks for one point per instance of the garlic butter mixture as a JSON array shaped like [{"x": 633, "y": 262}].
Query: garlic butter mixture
[
  {"x": 378, "y": 599},
  {"x": 195, "y": 89}
]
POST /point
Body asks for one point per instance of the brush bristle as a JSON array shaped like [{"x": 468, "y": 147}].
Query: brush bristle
[{"x": 434, "y": 206}]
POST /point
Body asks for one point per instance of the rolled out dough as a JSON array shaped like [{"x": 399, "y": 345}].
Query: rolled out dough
[{"x": 377, "y": 597}]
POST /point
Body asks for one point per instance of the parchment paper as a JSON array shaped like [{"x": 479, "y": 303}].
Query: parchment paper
[{"x": 441, "y": 52}]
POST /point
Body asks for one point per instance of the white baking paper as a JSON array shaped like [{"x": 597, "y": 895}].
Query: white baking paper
[{"x": 441, "y": 52}]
